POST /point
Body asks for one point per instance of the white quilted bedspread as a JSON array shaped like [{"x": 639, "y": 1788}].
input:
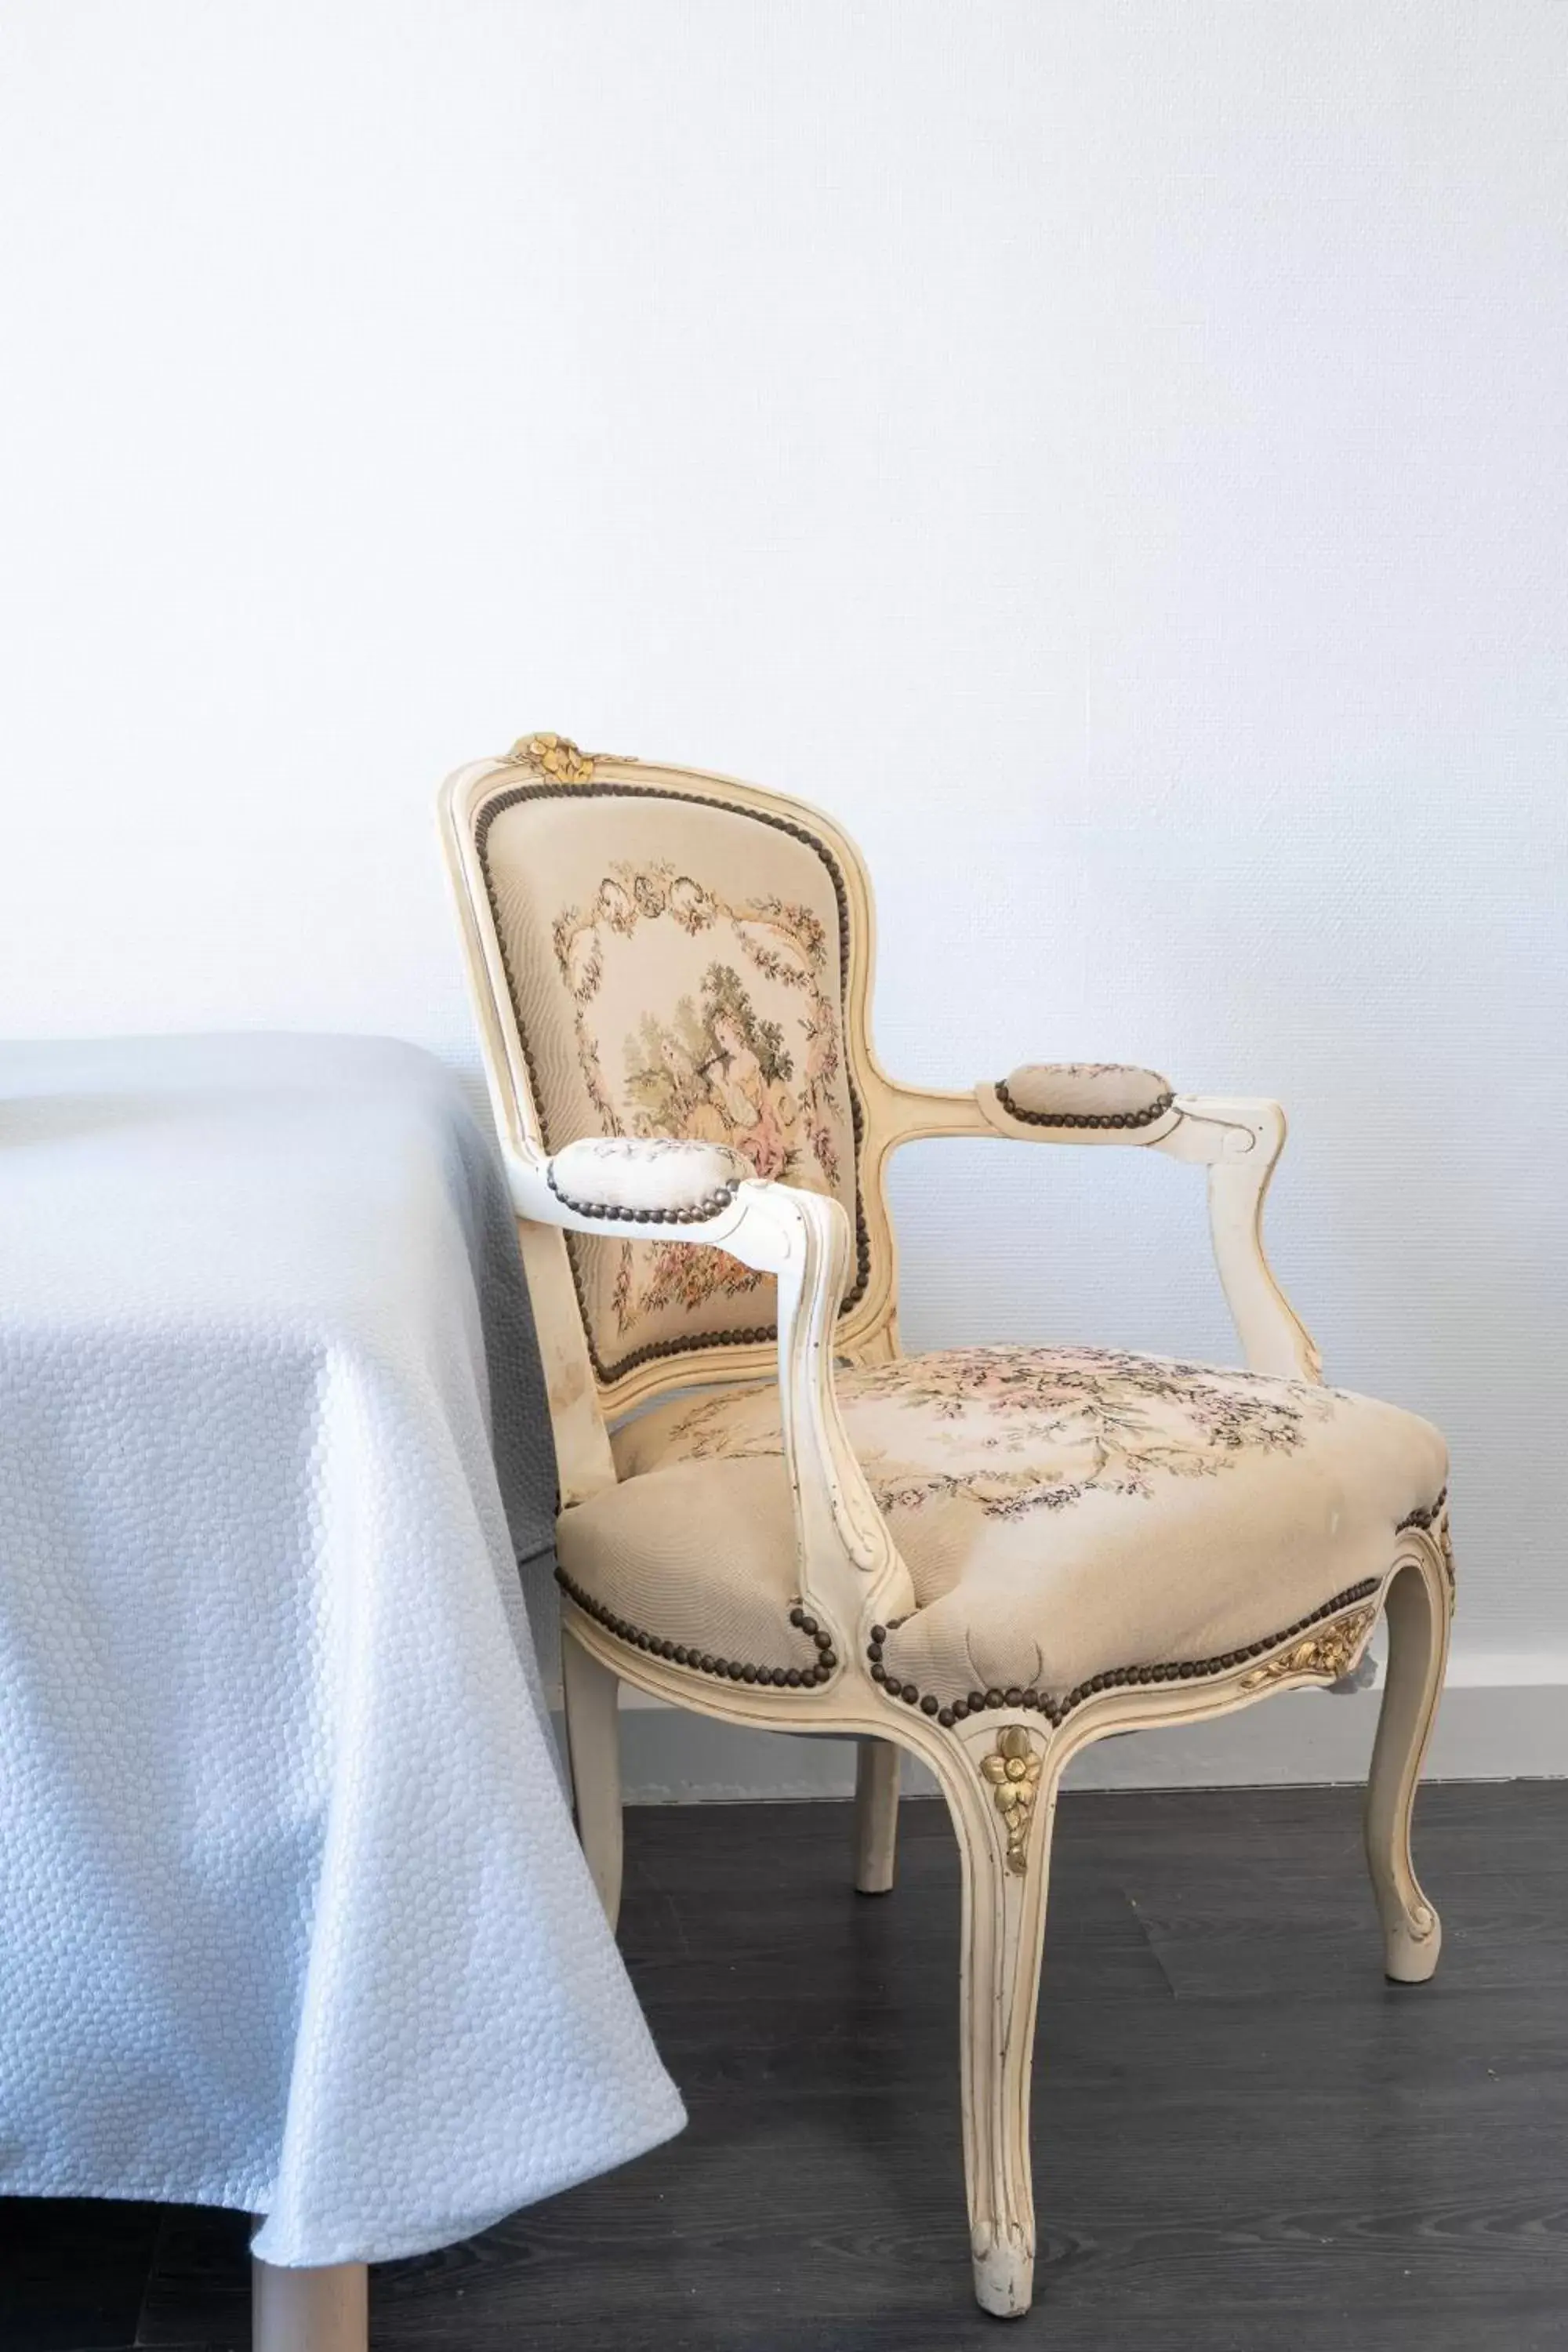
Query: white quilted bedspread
[{"x": 291, "y": 1914}]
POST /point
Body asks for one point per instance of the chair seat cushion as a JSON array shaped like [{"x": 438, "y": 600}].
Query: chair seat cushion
[{"x": 1064, "y": 1512}]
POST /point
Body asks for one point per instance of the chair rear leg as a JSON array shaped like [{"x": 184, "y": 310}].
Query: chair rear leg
[
  {"x": 592, "y": 1695},
  {"x": 875, "y": 1815},
  {"x": 1002, "y": 1792},
  {"x": 1417, "y": 1614}
]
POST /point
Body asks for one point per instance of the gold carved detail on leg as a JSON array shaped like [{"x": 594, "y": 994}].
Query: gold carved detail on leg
[
  {"x": 1327, "y": 1654},
  {"x": 1013, "y": 1769}
]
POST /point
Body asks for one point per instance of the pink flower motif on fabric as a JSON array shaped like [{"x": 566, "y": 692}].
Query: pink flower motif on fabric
[{"x": 1017, "y": 1429}]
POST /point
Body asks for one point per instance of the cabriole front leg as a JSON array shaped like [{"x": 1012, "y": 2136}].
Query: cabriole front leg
[
  {"x": 1417, "y": 1607},
  {"x": 1001, "y": 1789}
]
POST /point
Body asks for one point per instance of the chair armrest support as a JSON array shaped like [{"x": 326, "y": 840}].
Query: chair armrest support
[
  {"x": 849, "y": 1565},
  {"x": 1239, "y": 1140}
]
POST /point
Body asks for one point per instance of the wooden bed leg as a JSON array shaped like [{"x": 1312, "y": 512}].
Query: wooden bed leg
[
  {"x": 310, "y": 2310},
  {"x": 875, "y": 1815}
]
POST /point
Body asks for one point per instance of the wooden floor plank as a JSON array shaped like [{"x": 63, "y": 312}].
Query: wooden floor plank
[
  {"x": 1244, "y": 2138},
  {"x": 73, "y": 2272}
]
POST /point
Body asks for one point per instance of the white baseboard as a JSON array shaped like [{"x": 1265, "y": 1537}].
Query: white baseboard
[{"x": 1500, "y": 1720}]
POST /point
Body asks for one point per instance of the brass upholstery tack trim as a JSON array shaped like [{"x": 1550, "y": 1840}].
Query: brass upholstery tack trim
[
  {"x": 1055, "y": 1710},
  {"x": 1434, "y": 1521},
  {"x": 1428, "y": 1517},
  {"x": 1156, "y": 1109},
  {"x": 595, "y": 788},
  {"x": 696, "y": 1215},
  {"x": 682, "y": 1653}
]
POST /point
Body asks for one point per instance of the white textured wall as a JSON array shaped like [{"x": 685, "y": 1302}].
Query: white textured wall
[{"x": 1112, "y": 455}]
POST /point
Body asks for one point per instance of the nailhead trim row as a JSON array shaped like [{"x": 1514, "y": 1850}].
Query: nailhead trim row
[
  {"x": 1425, "y": 1518},
  {"x": 1055, "y": 1710},
  {"x": 1433, "y": 1520},
  {"x": 756, "y": 1335},
  {"x": 696, "y": 1215},
  {"x": 1156, "y": 1109},
  {"x": 680, "y": 1654}
]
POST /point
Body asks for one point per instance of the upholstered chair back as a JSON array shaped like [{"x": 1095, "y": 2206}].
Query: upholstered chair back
[{"x": 682, "y": 957}]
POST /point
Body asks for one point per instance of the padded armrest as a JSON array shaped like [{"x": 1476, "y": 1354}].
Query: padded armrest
[
  {"x": 1085, "y": 1094},
  {"x": 646, "y": 1180}
]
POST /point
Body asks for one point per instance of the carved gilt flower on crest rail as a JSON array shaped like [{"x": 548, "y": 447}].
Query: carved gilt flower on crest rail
[{"x": 555, "y": 756}]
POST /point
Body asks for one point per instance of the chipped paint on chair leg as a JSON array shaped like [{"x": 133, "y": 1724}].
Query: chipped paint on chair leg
[
  {"x": 1001, "y": 1788},
  {"x": 875, "y": 1815},
  {"x": 1418, "y": 1610},
  {"x": 592, "y": 1695}
]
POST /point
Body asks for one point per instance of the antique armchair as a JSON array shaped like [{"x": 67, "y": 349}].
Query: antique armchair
[{"x": 987, "y": 1556}]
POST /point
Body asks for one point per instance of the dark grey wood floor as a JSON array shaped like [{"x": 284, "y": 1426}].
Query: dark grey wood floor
[{"x": 1245, "y": 2141}]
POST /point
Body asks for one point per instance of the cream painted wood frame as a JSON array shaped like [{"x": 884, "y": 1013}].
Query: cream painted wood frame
[{"x": 999, "y": 1773}]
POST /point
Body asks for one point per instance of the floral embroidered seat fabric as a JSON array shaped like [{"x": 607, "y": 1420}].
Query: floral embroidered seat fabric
[{"x": 1064, "y": 1512}]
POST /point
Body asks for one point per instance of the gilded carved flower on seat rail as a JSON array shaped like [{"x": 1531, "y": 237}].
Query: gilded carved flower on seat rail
[{"x": 1326, "y": 1655}]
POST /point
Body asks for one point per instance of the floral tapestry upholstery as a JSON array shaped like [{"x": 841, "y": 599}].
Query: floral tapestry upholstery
[
  {"x": 676, "y": 967},
  {"x": 1064, "y": 1512}
]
